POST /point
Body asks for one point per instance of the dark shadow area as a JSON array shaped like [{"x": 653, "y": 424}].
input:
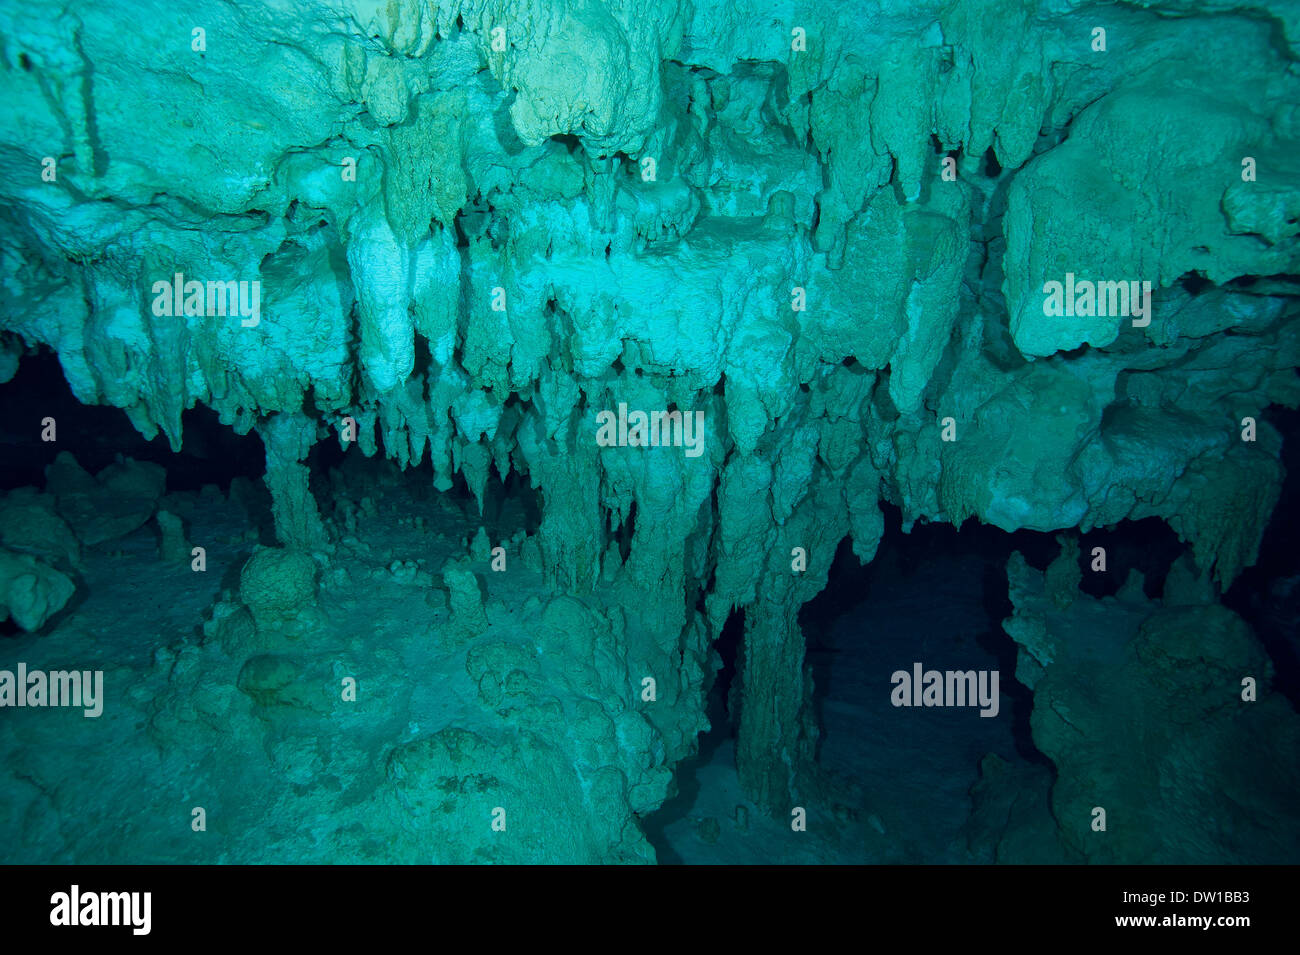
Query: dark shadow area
[
  {"x": 1267, "y": 595},
  {"x": 912, "y": 569},
  {"x": 1148, "y": 546},
  {"x": 340, "y": 474},
  {"x": 211, "y": 453},
  {"x": 721, "y": 728}
]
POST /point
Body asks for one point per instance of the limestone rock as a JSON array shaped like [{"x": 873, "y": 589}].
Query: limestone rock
[
  {"x": 119, "y": 499},
  {"x": 30, "y": 524},
  {"x": 1140, "y": 705},
  {"x": 173, "y": 546},
  {"x": 31, "y": 591},
  {"x": 276, "y": 584},
  {"x": 468, "y": 618}
]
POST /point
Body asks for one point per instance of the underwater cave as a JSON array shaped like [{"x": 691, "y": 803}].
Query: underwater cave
[{"x": 824, "y": 435}]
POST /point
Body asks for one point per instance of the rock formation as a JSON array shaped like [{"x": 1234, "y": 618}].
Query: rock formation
[{"x": 455, "y": 233}]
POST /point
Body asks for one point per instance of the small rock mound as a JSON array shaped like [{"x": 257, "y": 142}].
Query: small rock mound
[{"x": 276, "y": 584}]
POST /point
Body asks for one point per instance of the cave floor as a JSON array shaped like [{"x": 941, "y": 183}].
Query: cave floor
[
  {"x": 283, "y": 784},
  {"x": 297, "y": 785}
]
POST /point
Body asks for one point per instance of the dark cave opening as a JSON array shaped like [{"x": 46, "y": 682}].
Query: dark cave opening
[
  {"x": 211, "y": 453},
  {"x": 345, "y": 475},
  {"x": 935, "y": 596},
  {"x": 1148, "y": 546},
  {"x": 1267, "y": 595}
]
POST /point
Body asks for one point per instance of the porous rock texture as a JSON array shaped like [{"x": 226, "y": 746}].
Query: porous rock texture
[
  {"x": 1140, "y": 706},
  {"x": 477, "y": 224}
]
